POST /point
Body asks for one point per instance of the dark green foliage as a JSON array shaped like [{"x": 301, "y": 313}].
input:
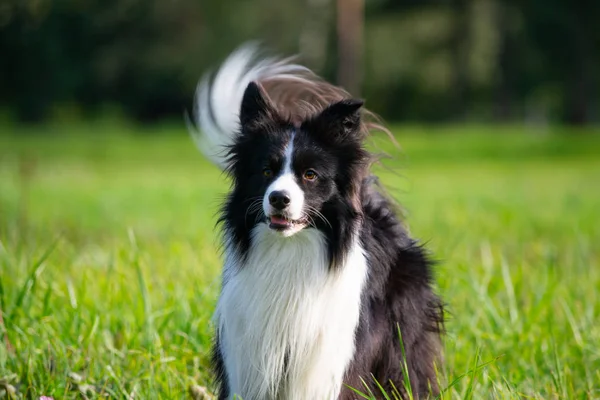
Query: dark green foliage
[{"x": 433, "y": 60}]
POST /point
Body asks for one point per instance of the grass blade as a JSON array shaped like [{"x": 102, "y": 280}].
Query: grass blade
[
  {"x": 29, "y": 284},
  {"x": 407, "y": 384}
]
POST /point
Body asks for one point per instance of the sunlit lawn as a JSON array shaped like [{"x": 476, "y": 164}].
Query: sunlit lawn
[{"x": 109, "y": 266}]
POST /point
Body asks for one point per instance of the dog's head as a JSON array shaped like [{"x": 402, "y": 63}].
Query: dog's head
[{"x": 294, "y": 176}]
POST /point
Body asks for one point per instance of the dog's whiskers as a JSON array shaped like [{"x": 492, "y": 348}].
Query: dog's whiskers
[
  {"x": 255, "y": 206},
  {"x": 318, "y": 214}
]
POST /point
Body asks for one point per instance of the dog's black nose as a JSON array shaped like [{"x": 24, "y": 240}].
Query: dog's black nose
[{"x": 279, "y": 200}]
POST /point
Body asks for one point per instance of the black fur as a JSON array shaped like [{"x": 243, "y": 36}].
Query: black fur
[
  {"x": 398, "y": 293},
  {"x": 398, "y": 296}
]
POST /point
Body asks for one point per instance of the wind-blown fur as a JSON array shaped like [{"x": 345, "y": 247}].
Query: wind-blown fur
[{"x": 319, "y": 273}]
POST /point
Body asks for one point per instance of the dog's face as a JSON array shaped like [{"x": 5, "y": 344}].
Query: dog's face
[{"x": 295, "y": 176}]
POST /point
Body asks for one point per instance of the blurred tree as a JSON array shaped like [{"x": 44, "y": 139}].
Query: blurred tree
[
  {"x": 566, "y": 37},
  {"x": 506, "y": 60},
  {"x": 428, "y": 60},
  {"x": 314, "y": 37},
  {"x": 459, "y": 47},
  {"x": 350, "y": 27}
]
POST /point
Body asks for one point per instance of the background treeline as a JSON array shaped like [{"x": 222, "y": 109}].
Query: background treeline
[{"x": 426, "y": 60}]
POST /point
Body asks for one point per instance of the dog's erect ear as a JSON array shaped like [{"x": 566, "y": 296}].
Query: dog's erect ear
[
  {"x": 340, "y": 120},
  {"x": 256, "y": 106}
]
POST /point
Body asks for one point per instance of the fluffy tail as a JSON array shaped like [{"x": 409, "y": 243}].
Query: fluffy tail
[
  {"x": 218, "y": 100},
  {"x": 295, "y": 91}
]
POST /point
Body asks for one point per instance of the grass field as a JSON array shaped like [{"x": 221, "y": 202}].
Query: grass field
[{"x": 109, "y": 270}]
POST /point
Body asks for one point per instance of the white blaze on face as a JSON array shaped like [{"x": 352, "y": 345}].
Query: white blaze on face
[{"x": 286, "y": 182}]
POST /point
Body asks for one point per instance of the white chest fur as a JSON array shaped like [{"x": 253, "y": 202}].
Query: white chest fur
[{"x": 286, "y": 322}]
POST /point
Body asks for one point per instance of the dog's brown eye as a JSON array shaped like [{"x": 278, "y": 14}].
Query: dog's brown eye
[
  {"x": 310, "y": 175},
  {"x": 268, "y": 172}
]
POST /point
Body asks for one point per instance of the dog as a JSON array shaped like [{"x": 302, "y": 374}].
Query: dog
[{"x": 323, "y": 290}]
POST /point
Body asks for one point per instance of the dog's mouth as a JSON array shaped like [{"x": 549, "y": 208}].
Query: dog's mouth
[{"x": 282, "y": 223}]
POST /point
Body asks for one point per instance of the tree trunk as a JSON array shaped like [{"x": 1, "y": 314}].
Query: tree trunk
[{"x": 350, "y": 29}]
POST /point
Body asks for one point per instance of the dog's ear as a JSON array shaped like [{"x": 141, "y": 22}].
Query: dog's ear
[
  {"x": 341, "y": 120},
  {"x": 256, "y": 107}
]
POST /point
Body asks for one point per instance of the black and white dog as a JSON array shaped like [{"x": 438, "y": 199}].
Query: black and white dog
[{"x": 319, "y": 274}]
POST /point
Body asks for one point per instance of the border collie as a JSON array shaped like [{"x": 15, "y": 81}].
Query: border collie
[{"x": 320, "y": 276}]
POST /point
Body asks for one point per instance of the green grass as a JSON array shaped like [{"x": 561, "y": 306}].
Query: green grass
[{"x": 109, "y": 266}]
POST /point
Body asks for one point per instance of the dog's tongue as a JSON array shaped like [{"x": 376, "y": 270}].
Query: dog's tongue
[{"x": 278, "y": 220}]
